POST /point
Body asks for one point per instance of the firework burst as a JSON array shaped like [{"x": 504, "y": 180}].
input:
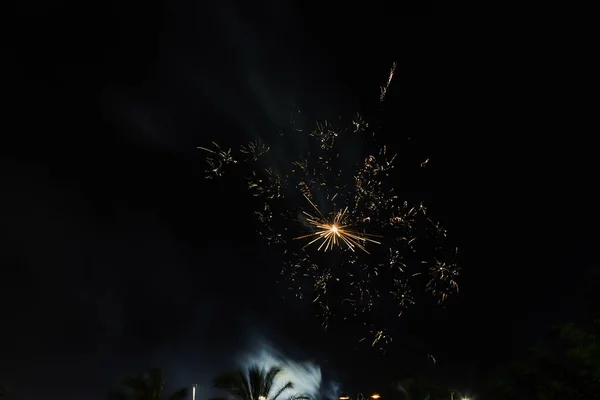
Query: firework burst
[
  {"x": 371, "y": 254},
  {"x": 335, "y": 231}
]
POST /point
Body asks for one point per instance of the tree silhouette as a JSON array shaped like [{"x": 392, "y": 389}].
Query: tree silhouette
[
  {"x": 255, "y": 384},
  {"x": 565, "y": 365},
  {"x": 146, "y": 387}
]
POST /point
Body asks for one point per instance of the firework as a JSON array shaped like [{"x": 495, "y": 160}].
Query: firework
[
  {"x": 369, "y": 254},
  {"x": 217, "y": 161},
  {"x": 254, "y": 150},
  {"x": 335, "y": 231}
]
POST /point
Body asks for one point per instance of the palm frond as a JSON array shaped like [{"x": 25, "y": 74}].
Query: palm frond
[
  {"x": 255, "y": 379},
  {"x": 234, "y": 383},
  {"x": 287, "y": 386},
  {"x": 255, "y": 383},
  {"x": 155, "y": 381},
  {"x": 269, "y": 379},
  {"x": 299, "y": 397}
]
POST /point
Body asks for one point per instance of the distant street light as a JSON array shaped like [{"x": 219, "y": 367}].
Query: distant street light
[
  {"x": 375, "y": 396},
  {"x": 262, "y": 398},
  {"x": 344, "y": 397}
]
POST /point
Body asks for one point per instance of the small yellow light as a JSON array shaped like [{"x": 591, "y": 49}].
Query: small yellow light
[{"x": 375, "y": 396}]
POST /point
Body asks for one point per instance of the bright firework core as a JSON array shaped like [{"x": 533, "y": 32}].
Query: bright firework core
[{"x": 335, "y": 233}]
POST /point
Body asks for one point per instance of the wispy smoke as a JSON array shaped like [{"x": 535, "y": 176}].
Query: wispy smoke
[
  {"x": 306, "y": 376},
  {"x": 331, "y": 391}
]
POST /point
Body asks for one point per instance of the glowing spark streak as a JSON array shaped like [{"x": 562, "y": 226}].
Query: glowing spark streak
[
  {"x": 387, "y": 85},
  {"x": 314, "y": 206},
  {"x": 332, "y": 234}
]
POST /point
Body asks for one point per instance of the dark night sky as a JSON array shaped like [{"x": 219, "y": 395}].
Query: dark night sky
[{"x": 117, "y": 254}]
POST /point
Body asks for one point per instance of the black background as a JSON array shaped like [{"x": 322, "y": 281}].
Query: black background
[{"x": 117, "y": 254}]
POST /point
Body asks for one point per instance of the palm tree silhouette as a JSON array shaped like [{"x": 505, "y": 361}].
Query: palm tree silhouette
[
  {"x": 146, "y": 387},
  {"x": 255, "y": 384}
]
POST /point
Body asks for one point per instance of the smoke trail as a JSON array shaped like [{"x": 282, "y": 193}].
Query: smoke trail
[{"x": 306, "y": 376}]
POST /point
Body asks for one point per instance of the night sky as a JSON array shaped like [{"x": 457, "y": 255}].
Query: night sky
[{"x": 117, "y": 253}]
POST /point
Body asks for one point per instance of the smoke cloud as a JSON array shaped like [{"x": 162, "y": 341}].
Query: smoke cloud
[{"x": 306, "y": 375}]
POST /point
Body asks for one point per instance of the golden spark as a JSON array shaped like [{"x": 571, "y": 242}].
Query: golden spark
[
  {"x": 335, "y": 232},
  {"x": 387, "y": 84}
]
